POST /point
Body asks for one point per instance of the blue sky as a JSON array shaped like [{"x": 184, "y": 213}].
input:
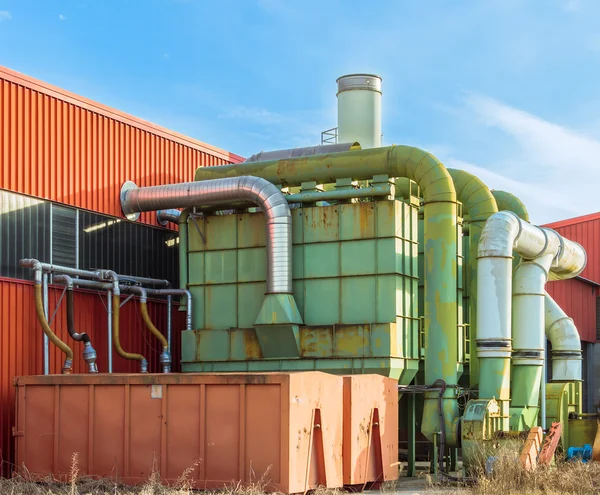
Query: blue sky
[{"x": 505, "y": 89}]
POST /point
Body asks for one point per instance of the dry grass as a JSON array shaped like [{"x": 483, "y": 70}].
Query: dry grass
[{"x": 507, "y": 477}]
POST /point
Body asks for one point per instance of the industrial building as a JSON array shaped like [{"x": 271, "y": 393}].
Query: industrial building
[
  {"x": 322, "y": 303},
  {"x": 63, "y": 159}
]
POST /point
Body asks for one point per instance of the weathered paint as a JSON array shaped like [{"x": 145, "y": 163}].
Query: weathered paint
[
  {"x": 497, "y": 372},
  {"x": 62, "y": 147},
  {"x": 478, "y": 204},
  {"x": 440, "y": 223},
  {"x": 524, "y": 400},
  {"x": 561, "y": 400},
  {"x": 285, "y": 428},
  {"x": 370, "y": 348},
  {"x": 21, "y": 340},
  {"x": 509, "y": 202}
]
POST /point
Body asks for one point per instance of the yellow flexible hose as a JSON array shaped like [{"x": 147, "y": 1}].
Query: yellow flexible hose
[
  {"x": 39, "y": 309},
  {"x": 116, "y": 341},
  {"x": 151, "y": 327}
]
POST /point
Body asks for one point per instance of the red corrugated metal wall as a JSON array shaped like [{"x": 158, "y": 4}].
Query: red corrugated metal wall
[
  {"x": 576, "y": 297},
  {"x": 21, "y": 339},
  {"x": 585, "y": 231},
  {"x": 578, "y": 300},
  {"x": 61, "y": 147}
]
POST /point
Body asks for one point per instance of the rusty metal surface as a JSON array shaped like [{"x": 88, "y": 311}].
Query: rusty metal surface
[
  {"x": 550, "y": 443},
  {"x": 21, "y": 341},
  {"x": 529, "y": 454},
  {"x": 370, "y": 445},
  {"x": 59, "y": 146},
  {"x": 229, "y": 428}
]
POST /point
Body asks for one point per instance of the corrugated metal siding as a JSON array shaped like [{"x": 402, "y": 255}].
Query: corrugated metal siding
[
  {"x": 58, "y": 146},
  {"x": 586, "y": 233},
  {"x": 578, "y": 300},
  {"x": 21, "y": 341}
]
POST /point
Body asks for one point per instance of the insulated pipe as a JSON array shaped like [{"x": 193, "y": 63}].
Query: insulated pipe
[
  {"x": 566, "y": 343},
  {"x": 38, "y": 268},
  {"x": 116, "y": 289},
  {"x": 39, "y": 309},
  {"x": 440, "y": 223},
  {"x": 89, "y": 354},
  {"x": 503, "y": 233},
  {"x": 479, "y": 204},
  {"x": 224, "y": 191},
  {"x": 165, "y": 356},
  {"x": 116, "y": 303},
  {"x": 172, "y": 215},
  {"x": 560, "y": 329}
]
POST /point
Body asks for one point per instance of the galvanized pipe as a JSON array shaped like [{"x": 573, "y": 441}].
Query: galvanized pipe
[
  {"x": 440, "y": 236},
  {"x": 169, "y": 321},
  {"x": 89, "y": 353},
  {"x": 177, "y": 292},
  {"x": 46, "y": 340},
  {"x": 163, "y": 217},
  {"x": 109, "y": 329},
  {"x": 224, "y": 191}
]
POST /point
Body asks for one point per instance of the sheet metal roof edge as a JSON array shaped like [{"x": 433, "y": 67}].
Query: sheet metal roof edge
[{"x": 56, "y": 92}]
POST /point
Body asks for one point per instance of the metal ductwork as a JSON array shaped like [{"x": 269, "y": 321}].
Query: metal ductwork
[
  {"x": 223, "y": 191},
  {"x": 163, "y": 217},
  {"x": 300, "y": 152},
  {"x": 546, "y": 256}
]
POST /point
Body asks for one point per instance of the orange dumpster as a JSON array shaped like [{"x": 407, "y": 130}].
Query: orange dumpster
[
  {"x": 283, "y": 428},
  {"x": 370, "y": 445}
]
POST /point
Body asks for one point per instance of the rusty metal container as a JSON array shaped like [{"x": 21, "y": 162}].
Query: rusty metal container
[
  {"x": 283, "y": 427},
  {"x": 370, "y": 443}
]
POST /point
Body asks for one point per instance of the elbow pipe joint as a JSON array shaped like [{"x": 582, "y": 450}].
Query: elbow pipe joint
[
  {"x": 163, "y": 217},
  {"x": 89, "y": 353},
  {"x": 113, "y": 278},
  {"x": 36, "y": 266}
]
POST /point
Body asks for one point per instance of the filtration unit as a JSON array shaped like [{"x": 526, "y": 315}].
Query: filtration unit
[{"x": 338, "y": 262}]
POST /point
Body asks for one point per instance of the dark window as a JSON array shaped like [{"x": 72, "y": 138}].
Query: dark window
[
  {"x": 127, "y": 248},
  {"x": 24, "y": 233},
  {"x": 33, "y": 228}
]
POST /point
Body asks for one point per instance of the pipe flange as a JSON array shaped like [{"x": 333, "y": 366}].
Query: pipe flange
[{"x": 125, "y": 188}]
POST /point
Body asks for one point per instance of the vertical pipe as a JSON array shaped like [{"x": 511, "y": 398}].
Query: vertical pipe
[
  {"x": 543, "y": 386},
  {"x": 109, "y": 311},
  {"x": 46, "y": 341},
  {"x": 169, "y": 321}
]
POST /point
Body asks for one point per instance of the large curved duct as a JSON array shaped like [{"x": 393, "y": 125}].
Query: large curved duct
[
  {"x": 560, "y": 329},
  {"x": 279, "y": 310},
  {"x": 223, "y": 191},
  {"x": 439, "y": 198},
  {"x": 479, "y": 204},
  {"x": 548, "y": 256}
]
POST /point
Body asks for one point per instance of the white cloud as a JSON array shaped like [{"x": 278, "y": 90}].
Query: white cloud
[
  {"x": 5, "y": 15},
  {"x": 553, "y": 169},
  {"x": 62, "y": 17},
  {"x": 166, "y": 56}
]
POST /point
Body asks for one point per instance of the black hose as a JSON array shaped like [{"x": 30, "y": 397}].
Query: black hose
[{"x": 84, "y": 337}]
